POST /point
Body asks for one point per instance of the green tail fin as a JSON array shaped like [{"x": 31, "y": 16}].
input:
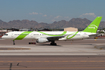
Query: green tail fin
[{"x": 93, "y": 25}]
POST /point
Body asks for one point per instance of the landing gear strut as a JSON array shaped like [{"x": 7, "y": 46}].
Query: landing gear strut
[
  {"x": 13, "y": 42},
  {"x": 53, "y": 43}
]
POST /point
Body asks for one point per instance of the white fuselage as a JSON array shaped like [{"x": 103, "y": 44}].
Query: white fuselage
[{"x": 45, "y": 34}]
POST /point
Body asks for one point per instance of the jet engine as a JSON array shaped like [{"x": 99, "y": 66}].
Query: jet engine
[{"x": 42, "y": 40}]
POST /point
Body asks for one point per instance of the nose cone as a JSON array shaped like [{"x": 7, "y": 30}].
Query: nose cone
[
  {"x": 7, "y": 37},
  {"x": 4, "y": 37}
]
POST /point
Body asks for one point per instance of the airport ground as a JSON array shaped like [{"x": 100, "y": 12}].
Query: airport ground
[
  {"x": 86, "y": 54},
  {"x": 52, "y": 63}
]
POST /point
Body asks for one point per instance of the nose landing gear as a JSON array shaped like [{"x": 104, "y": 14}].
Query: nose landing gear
[{"x": 13, "y": 42}]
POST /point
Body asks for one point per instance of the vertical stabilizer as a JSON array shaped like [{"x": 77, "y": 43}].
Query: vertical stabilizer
[{"x": 93, "y": 25}]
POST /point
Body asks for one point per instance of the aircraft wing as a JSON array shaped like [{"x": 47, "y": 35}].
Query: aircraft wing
[
  {"x": 54, "y": 38},
  {"x": 93, "y": 35}
]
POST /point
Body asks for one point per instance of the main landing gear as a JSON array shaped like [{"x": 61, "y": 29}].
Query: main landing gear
[
  {"x": 32, "y": 43},
  {"x": 13, "y": 42},
  {"x": 53, "y": 43}
]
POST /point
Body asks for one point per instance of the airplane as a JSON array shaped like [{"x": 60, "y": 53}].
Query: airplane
[{"x": 52, "y": 36}]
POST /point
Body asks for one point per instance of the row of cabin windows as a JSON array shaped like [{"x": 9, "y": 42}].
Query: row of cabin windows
[
  {"x": 37, "y": 34},
  {"x": 34, "y": 34}
]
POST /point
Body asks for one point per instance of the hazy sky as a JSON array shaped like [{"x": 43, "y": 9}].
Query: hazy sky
[{"x": 51, "y": 10}]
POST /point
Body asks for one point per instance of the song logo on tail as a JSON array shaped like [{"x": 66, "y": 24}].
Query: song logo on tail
[{"x": 93, "y": 26}]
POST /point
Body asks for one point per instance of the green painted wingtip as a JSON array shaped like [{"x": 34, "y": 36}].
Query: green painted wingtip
[{"x": 92, "y": 28}]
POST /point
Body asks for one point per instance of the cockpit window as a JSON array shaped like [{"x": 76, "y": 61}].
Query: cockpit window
[{"x": 5, "y": 34}]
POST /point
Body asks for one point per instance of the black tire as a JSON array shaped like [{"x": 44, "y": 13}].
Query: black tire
[
  {"x": 53, "y": 44},
  {"x": 29, "y": 43}
]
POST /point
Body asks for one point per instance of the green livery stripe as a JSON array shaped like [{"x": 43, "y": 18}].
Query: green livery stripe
[
  {"x": 53, "y": 35},
  {"x": 71, "y": 35},
  {"x": 23, "y": 35}
]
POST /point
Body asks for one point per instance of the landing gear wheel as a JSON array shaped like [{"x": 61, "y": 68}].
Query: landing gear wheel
[
  {"x": 29, "y": 43},
  {"x": 32, "y": 43},
  {"x": 53, "y": 43}
]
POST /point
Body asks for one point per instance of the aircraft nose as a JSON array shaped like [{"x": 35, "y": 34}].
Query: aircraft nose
[{"x": 3, "y": 37}]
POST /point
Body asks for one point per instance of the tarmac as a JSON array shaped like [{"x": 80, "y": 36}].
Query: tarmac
[
  {"x": 80, "y": 47},
  {"x": 86, "y": 54}
]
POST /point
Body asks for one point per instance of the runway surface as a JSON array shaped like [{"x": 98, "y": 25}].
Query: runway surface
[
  {"x": 80, "y": 47},
  {"x": 52, "y": 63},
  {"x": 86, "y": 54}
]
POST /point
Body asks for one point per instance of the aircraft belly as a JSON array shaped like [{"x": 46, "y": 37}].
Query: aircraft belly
[{"x": 77, "y": 37}]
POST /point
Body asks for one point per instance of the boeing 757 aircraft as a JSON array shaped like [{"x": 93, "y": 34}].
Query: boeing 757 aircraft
[{"x": 52, "y": 36}]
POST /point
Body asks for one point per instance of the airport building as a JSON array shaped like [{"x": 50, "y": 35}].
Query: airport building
[{"x": 70, "y": 29}]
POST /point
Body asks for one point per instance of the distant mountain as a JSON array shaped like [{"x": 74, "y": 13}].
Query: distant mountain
[
  {"x": 3, "y": 24},
  {"x": 59, "y": 24},
  {"x": 74, "y": 22}
]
